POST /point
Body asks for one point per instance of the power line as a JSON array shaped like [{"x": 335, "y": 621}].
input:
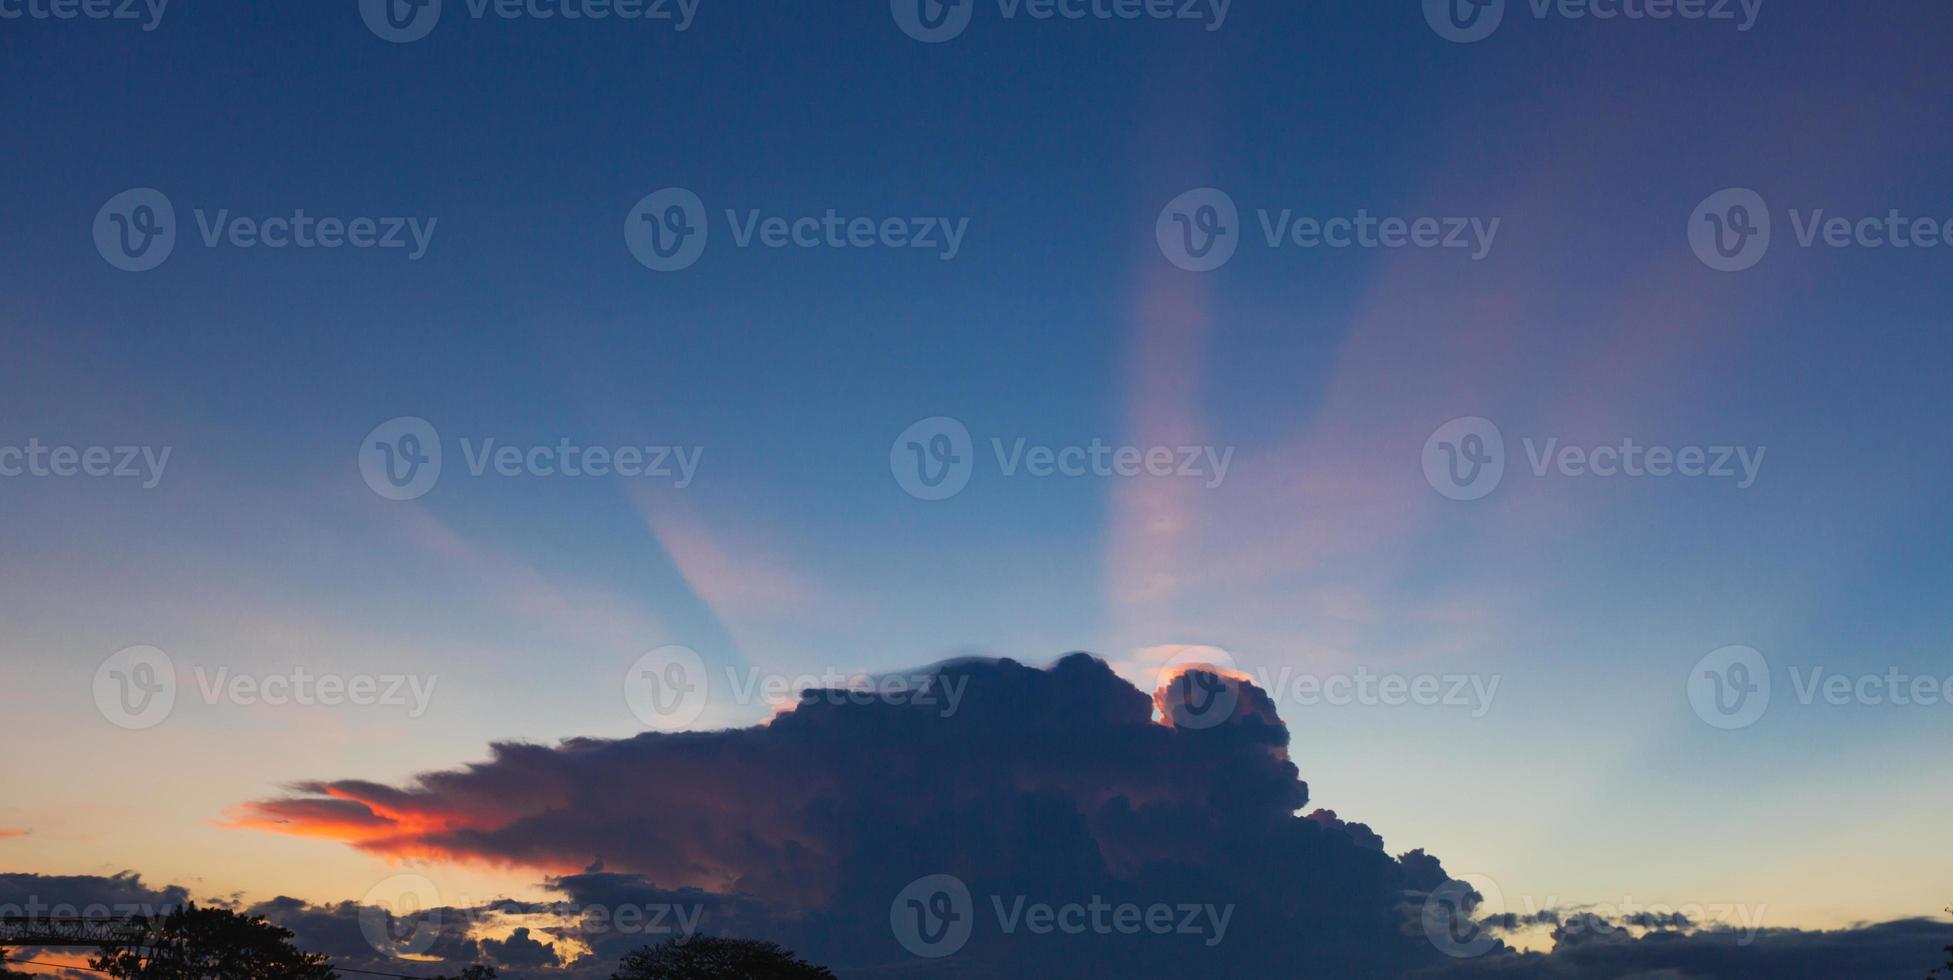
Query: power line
[
  {"x": 58, "y": 966},
  {"x": 335, "y": 969}
]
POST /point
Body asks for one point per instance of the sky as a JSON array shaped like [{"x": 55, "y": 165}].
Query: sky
[{"x": 1039, "y": 173}]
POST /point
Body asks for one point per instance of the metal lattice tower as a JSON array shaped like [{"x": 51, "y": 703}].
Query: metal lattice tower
[{"x": 102, "y": 932}]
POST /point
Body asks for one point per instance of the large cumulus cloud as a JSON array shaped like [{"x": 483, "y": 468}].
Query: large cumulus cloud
[{"x": 1057, "y": 785}]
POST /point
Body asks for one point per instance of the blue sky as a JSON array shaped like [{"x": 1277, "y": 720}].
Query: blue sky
[{"x": 1058, "y": 322}]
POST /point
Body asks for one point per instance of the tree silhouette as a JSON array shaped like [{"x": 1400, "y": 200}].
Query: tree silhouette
[
  {"x": 215, "y": 944},
  {"x": 473, "y": 971},
  {"x": 713, "y": 958},
  {"x": 1947, "y": 970}
]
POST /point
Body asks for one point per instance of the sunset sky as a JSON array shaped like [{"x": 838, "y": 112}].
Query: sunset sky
[{"x": 525, "y": 601}]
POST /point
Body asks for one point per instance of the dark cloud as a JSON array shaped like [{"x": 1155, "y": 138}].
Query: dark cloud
[
  {"x": 96, "y": 895},
  {"x": 341, "y": 930},
  {"x": 1053, "y": 786},
  {"x": 1901, "y": 950},
  {"x": 519, "y": 950}
]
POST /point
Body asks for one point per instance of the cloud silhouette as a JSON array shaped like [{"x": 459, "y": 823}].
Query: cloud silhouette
[
  {"x": 123, "y": 894},
  {"x": 1901, "y": 950},
  {"x": 1047, "y": 786},
  {"x": 520, "y": 951}
]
